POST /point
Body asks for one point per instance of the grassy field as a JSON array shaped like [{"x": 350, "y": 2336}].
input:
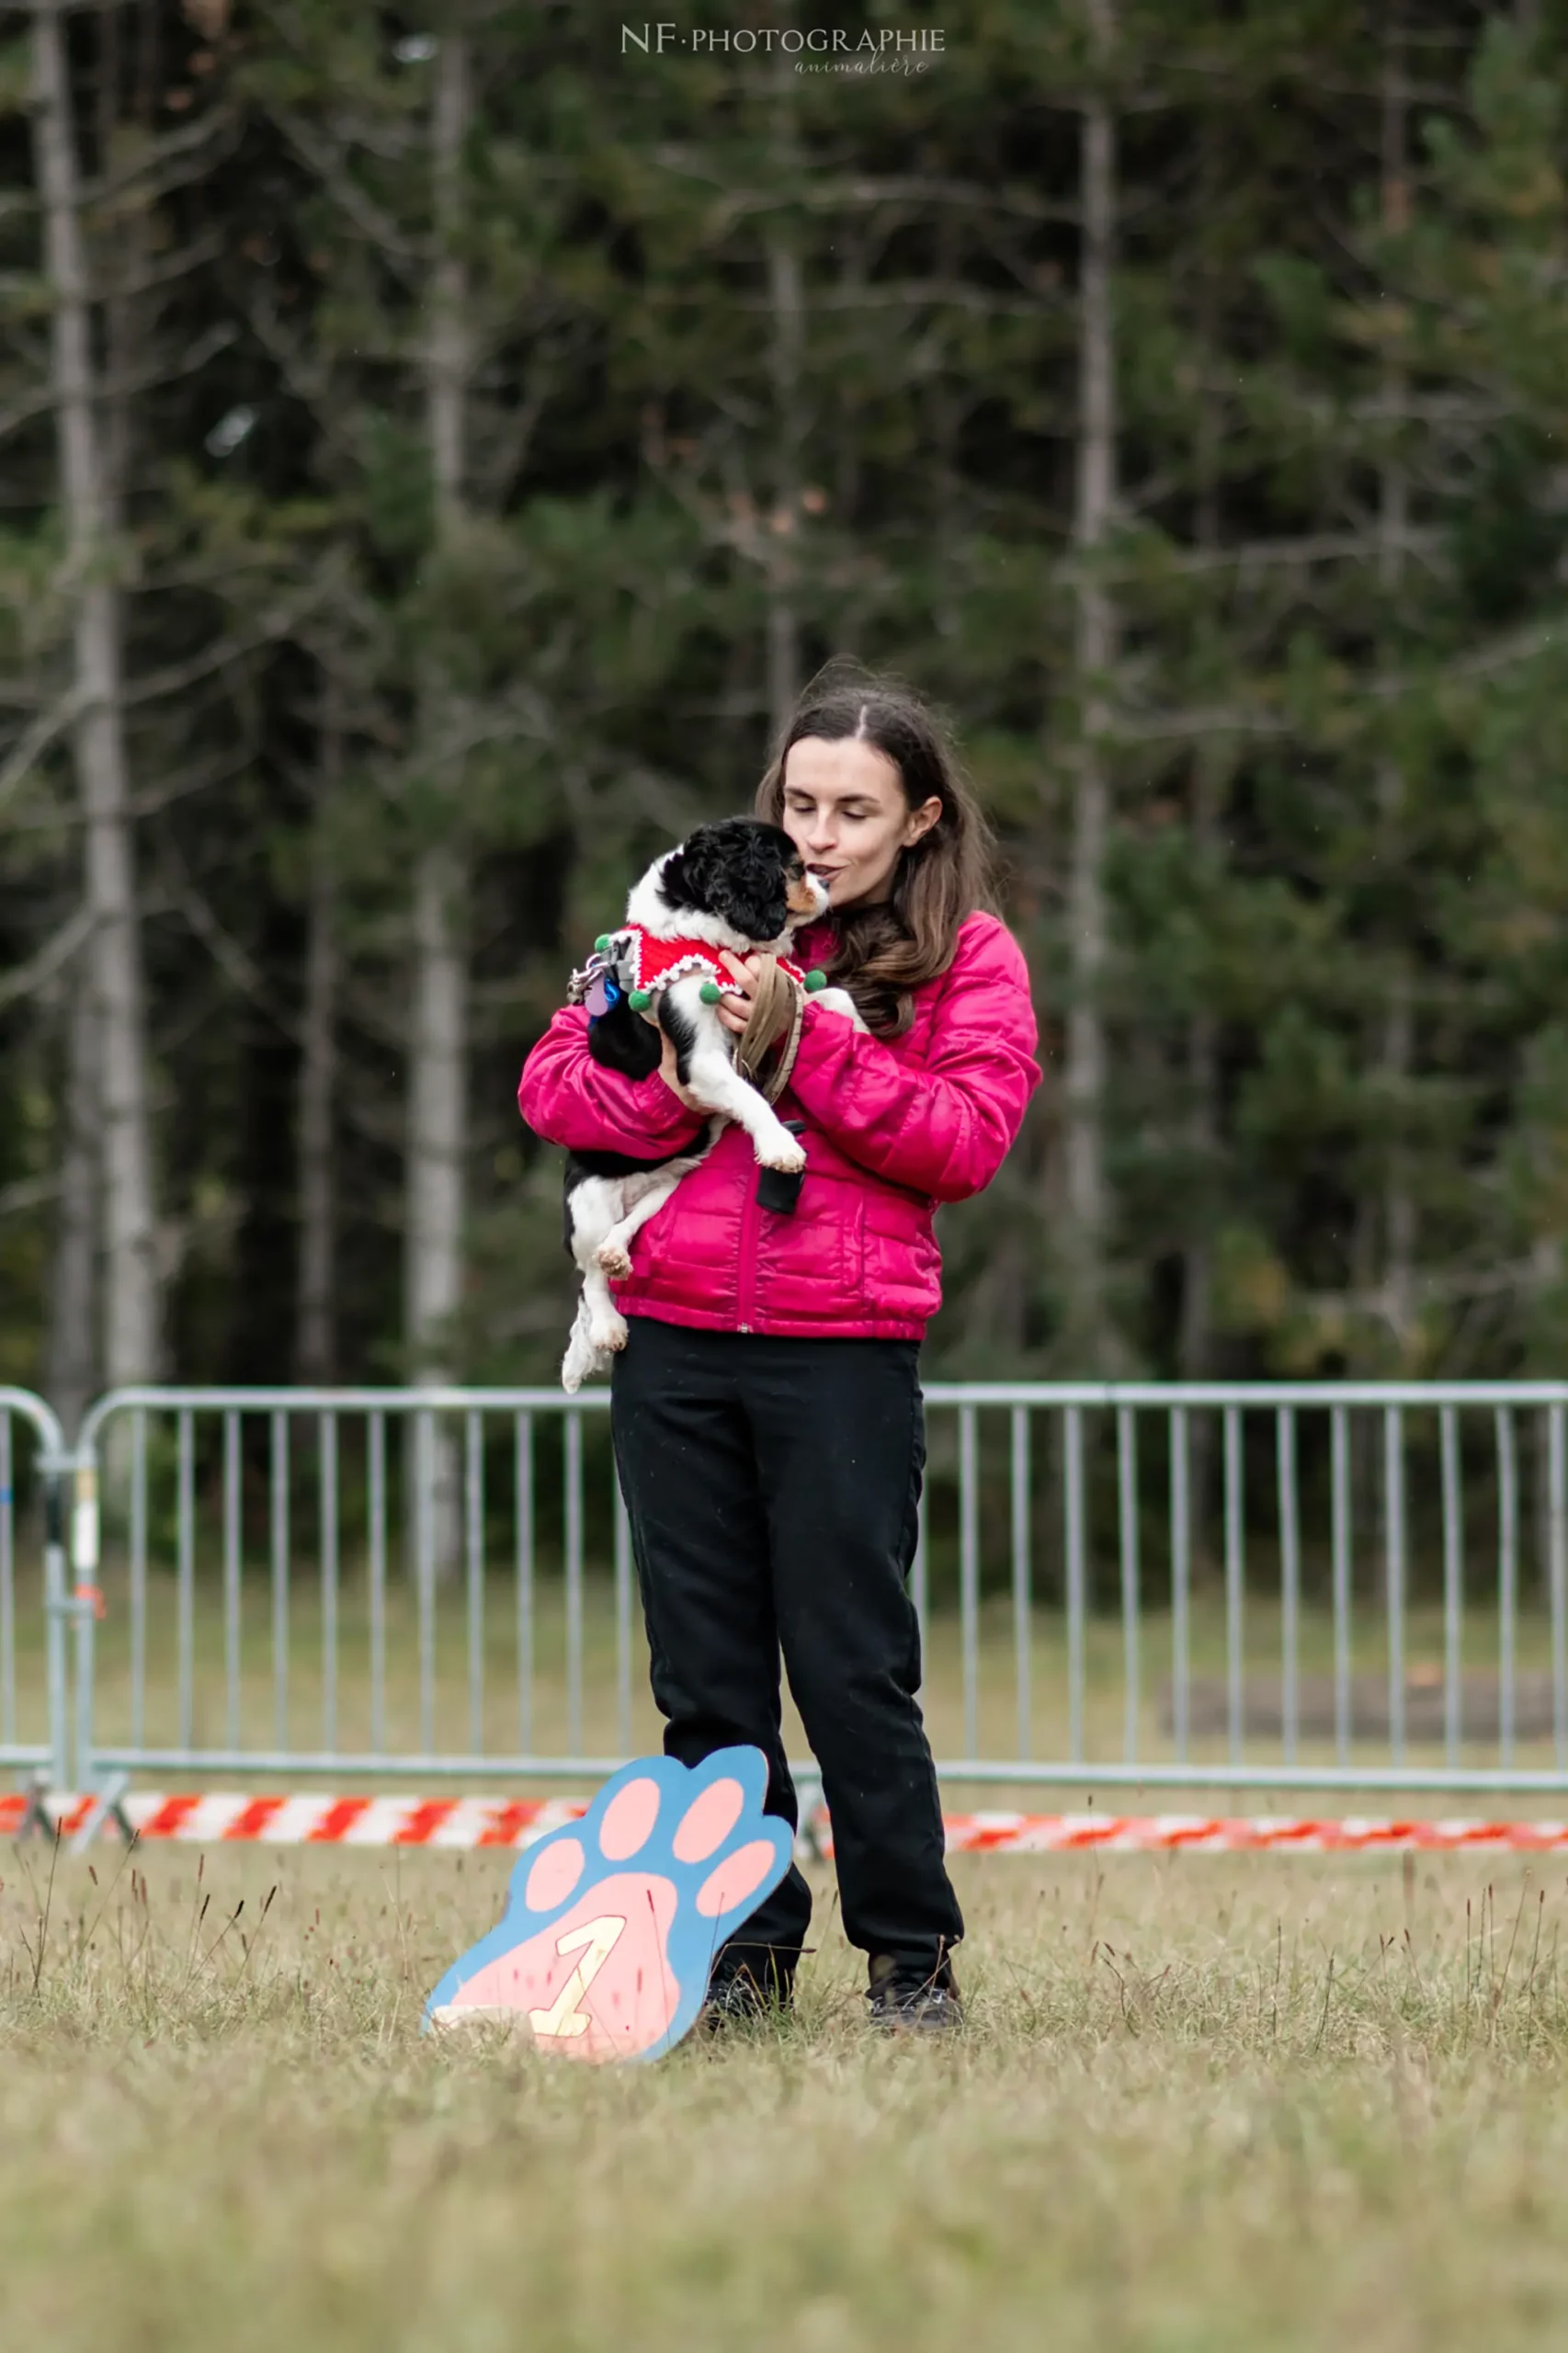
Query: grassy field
[{"x": 1202, "y": 2103}]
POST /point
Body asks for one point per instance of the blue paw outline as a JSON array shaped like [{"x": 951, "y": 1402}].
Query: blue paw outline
[{"x": 693, "y": 1935}]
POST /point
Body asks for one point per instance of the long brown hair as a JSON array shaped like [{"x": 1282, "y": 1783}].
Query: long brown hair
[{"x": 885, "y": 951}]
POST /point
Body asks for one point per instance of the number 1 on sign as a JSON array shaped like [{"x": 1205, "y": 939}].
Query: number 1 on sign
[{"x": 595, "y": 1940}]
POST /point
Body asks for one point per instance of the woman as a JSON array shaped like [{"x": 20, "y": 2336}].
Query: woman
[{"x": 767, "y": 1411}]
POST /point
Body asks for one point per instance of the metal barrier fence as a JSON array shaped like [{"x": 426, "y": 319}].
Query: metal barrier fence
[
  {"x": 33, "y": 1624},
  {"x": 1258, "y": 1586}
]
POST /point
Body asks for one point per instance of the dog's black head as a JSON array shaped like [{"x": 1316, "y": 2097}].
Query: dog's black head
[{"x": 747, "y": 874}]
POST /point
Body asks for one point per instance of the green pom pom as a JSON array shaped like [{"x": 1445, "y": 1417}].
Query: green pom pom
[
  {"x": 601, "y": 945},
  {"x": 815, "y": 979},
  {"x": 709, "y": 992},
  {"x": 640, "y": 1000}
]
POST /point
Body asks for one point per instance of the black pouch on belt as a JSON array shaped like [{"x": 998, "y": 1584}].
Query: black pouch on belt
[{"x": 776, "y": 1189}]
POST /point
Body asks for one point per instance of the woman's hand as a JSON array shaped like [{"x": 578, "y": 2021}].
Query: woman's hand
[{"x": 734, "y": 1006}]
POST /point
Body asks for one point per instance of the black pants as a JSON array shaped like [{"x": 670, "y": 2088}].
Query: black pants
[{"x": 771, "y": 1486}]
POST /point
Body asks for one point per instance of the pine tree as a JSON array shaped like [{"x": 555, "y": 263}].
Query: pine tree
[{"x": 108, "y": 1048}]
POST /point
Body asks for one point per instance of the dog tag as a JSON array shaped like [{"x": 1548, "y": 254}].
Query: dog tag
[{"x": 602, "y": 994}]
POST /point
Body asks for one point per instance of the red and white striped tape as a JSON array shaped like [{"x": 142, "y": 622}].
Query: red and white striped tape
[
  {"x": 1056, "y": 1834},
  {"x": 221, "y": 1818}
]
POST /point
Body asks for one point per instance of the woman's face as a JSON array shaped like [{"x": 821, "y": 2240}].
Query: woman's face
[{"x": 845, "y": 812}]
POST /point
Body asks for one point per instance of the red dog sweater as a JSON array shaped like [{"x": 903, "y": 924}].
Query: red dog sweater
[{"x": 652, "y": 964}]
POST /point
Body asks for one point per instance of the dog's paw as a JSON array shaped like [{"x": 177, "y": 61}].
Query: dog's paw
[
  {"x": 607, "y": 1335},
  {"x": 611, "y": 1926},
  {"x": 614, "y": 1260},
  {"x": 840, "y": 1001},
  {"x": 786, "y": 1154}
]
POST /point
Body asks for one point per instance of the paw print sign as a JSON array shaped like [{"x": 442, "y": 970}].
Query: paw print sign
[{"x": 611, "y": 1925}]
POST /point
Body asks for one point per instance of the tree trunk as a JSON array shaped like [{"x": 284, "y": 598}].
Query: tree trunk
[
  {"x": 946, "y": 482},
  {"x": 438, "y": 1098},
  {"x": 1095, "y": 648},
  {"x": 785, "y": 313},
  {"x": 133, "y": 1306},
  {"x": 436, "y": 1107},
  {"x": 316, "y": 1286},
  {"x": 1397, "y": 1042},
  {"x": 785, "y": 308},
  {"x": 438, "y": 1042},
  {"x": 72, "y": 1369},
  {"x": 1196, "y": 1336}
]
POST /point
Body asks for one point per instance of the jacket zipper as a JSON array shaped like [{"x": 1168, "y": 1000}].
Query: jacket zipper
[{"x": 746, "y": 1274}]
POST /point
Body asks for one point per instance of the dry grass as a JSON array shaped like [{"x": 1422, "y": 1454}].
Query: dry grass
[{"x": 1203, "y": 2104}]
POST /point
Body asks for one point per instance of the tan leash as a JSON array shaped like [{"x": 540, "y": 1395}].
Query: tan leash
[{"x": 778, "y": 1010}]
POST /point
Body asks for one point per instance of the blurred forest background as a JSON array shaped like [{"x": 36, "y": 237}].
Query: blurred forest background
[{"x": 438, "y": 444}]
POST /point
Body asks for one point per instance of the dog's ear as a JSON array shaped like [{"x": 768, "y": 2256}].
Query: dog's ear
[
  {"x": 754, "y": 884},
  {"x": 688, "y": 876},
  {"x": 623, "y": 1042}
]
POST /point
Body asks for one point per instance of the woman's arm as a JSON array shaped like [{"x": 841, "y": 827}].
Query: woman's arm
[
  {"x": 943, "y": 1127},
  {"x": 568, "y": 1098}
]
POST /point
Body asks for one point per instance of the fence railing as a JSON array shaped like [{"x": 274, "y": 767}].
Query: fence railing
[
  {"x": 1251, "y": 1587},
  {"x": 1309, "y": 1585},
  {"x": 35, "y": 1609}
]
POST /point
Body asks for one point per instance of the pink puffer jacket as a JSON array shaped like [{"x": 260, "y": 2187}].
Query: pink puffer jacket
[{"x": 890, "y": 1129}]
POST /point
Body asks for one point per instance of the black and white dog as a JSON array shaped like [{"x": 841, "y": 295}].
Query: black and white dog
[{"x": 740, "y": 884}]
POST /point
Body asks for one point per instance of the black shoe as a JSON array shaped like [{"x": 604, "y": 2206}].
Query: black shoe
[
  {"x": 737, "y": 2000},
  {"x": 902, "y": 2002}
]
